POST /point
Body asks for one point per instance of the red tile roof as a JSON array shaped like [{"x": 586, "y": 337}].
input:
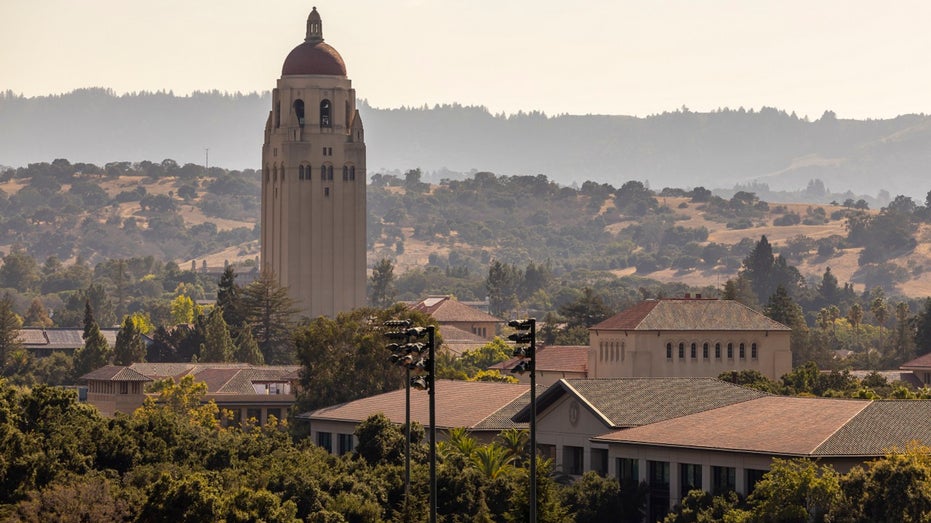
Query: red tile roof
[
  {"x": 448, "y": 309},
  {"x": 690, "y": 314},
  {"x": 922, "y": 362},
  {"x": 458, "y": 404},
  {"x": 787, "y": 426},
  {"x": 565, "y": 358}
]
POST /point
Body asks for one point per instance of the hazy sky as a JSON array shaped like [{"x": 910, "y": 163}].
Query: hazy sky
[{"x": 859, "y": 58}]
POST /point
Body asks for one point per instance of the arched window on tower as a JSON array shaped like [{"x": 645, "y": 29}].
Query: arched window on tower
[
  {"x": 329, "y": 173},
  {"x": 323, "y": 173},
  {"x": 299, "y": 111},
  {"x": 345, "y": 173},
  {"x": 352, "y": 173},
  {"x": 326, "y": 110},
  {"x": 275, "y": 174},
  {"x": 347, "y": 114},
  {"x": 277, "y": 114}
]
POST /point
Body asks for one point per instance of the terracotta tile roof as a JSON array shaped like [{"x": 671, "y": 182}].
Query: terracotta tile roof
[
  {"x": 632, "y": 402},
  {"x": 922, "y": 362},
  {"x": 504, "y": 418},
  {"x": 690, "y": 314},
  {"x": 448, "y": 309},
  {"x": 114, "y": 373},
  {"x": 566, "y": 358},
  {"x": 469, "y": 404},
  {"x": 780, "y": 425},
  {"x": 63, "y": 338},
  {"x": 879, "y": 427}
]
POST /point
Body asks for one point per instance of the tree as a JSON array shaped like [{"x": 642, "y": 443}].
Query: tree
[
  {"x": 891, "y": 489},
  {"x": 880, "y": 313},
  {"x": 904, "y": 332},
  {"x": 382, "y": 281},
  {"x": 795, "y": 490},
  {"x": 95, "y": 353},
  {"x": 783, "y": 309},
  {"x": 183, "y": 310},
  {"x": 247, "y": 350},
  {"x": 828, "y": 290},
  {"x": 350, "y": 347},
  {"x": 585, "y": 311},
  {"x": 218, "y": 344},
  {"x": 37, "y": 315},
  {"x": 19, "y": 271},
  {"x": 502, "y": 285},
  {"x": 855, "y": 317},
  {"x": 923, "y": 328},
  {"x": 229, "y": 296},
  {"x": 9, "y": 330},
  {"x": 269, "y": 311},
  {"x": 129, "y": 346}
]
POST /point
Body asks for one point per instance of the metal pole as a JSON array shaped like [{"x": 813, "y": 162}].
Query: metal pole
[
  {"x": 432, "y": 391},
  {"x": 533, "y": 420},
  {"x": 407, "y": 444}
]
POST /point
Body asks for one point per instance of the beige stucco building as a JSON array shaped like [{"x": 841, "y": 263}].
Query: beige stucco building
[
  {"x": 313, "y": 181},
  {"x": 688, "y": 337}
]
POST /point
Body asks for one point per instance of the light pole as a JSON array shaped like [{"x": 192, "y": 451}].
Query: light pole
[
  {"x": 397, "y": 357},
  {"x": 427, "y": 381},
  {"x": 526, "y": 339}
]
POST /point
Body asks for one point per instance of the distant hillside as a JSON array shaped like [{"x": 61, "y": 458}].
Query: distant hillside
[{"x": 677, "y": 149}]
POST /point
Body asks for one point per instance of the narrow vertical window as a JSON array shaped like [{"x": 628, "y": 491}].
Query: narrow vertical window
[
  {"x": 753, "y": 352},
  {"x": 299, "y": 111},
  {"x": 325, "y": 114},
  {"x": 681, "y": 350},
  {"x": 730, "y": 351},
  {"x": 345, "y": 173},
  {"x": 694, "y": 351},
  {"x": 704, "y": 351},
  {"x": 323, "y": 173},
  {"x": 717, "y": 351},
  {"x": 352, "y": 173},
  {"x": 329, "y": 173},
  {"x": 743, "y": 353},
  {"x": 669, "y": 351}
]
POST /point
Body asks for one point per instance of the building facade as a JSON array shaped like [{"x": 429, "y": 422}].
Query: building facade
[
  {"x": 313, "y": 181},
  {"x": 688, "y": 337}
]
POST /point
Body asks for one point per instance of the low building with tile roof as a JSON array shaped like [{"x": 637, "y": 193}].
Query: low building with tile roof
[
  {"x": 688, "y": 337},
  {"x": 732, "y": 446},
  {"x": 553, "y": 363},
  {"x": 456, "y": 341},
  {"x": 484, "y": 408},
  {"x": 920, "y": 369},
  {"x": 450, "y": 312},
  {"x": 247, "y": 391}
]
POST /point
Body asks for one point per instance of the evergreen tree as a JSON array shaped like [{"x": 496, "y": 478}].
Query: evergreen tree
[
  {"x": 382, "y": 281},
  {"x": 247, "y": 350},
  {"x": 96, "y": 352},
  {"x": 269, "y": 310},
  {"x": 218, "y": 344},
  {"x": 923, "y": 329},
  {"x": 9, "y": 330},
  {"x": 229, "y": 299},
  {"x": 101, "y": 304},
  {"x": 585, "y": 311},
  {"x": 129, "y": 346},
  {"x": 904, "y": 333},
  {"x": 37, "y": 315},
  {"x": 502, "y": 285},
  {"x": 828, "y": 290},
  {"x": 783, "y": 309},
  {"x": 88, "y": 319}
]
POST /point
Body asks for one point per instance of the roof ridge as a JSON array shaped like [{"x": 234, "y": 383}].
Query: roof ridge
[
  {"x": 867, "y": 404},
  {"x": 519, "y": 396}
]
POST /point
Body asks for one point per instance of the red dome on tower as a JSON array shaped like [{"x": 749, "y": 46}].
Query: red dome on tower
[{"x": 314, "y": 56}]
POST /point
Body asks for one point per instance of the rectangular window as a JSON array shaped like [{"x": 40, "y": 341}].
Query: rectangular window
[
  {"x": 723, "y": 479},
  {"x": 254, "y": 415},
  {"x": 600, "y": 461},
  {"x": 273, "y": 412},
  {"x": 572, "y": 460},
  {"x": 326, "y": 192},
  {"x": 546, "y": 451},
  {"x": 659, "y": 474},
  {"x": 689, "y": 478},
  {"x": 753, "y": 477},
  {"x": 124, "y": 387},
  {"x": 628, "y": 471},
  {"x": 325, "y": 440},
  {"x": 344, "y": 443}
]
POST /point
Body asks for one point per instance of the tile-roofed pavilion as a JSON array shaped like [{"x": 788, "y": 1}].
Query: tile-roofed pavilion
[
  {"x": 690, "y": 314},
  {"x": 448, "y": 311},
  {"x": 553, "y": 363}
]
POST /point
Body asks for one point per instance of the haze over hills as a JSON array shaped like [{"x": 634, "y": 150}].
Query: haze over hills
[{"x": 676, "y": 149}]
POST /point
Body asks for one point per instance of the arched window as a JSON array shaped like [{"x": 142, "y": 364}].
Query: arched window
[
  {"x": 704, "y": 351},
  {"x": 669, "y": 351},
  {"x": 717, "y": 351},
  {"x": 326, "y": 117},
  {"x": 323, "y": 173},
  {"x": 681, "y": 350},
  {"x": 730, "y": 351},
  {"x": 345, "y": 173},
  {"x": 275, "y": 174},
  {"x": 743, "y": 353},
  {"x": 282, "y": 172},
  {"x": 299, "y": 111},
  {"x": 352, "y": 173},
  {"x": 753, "y": 352},
  {"x": 694, "y": 351},
  {"x": 329, "y": 173}
]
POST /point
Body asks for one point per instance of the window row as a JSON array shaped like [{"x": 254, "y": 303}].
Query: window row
[
  {"x": 611, "y": 351},
  {"x": 304, "y": 172},
  {"x": 693, "y": 350},
  {"x": 345, "y": 442}
]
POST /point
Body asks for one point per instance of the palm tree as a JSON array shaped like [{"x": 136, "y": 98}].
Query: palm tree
[
  {"x": 491, "y": 460},
  {"x": 515, "y": 442},
  {"x": 459, "y": 444}
]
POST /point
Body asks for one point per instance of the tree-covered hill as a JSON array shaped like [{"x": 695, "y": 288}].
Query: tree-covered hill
[{"x": 682, "y": 148}]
